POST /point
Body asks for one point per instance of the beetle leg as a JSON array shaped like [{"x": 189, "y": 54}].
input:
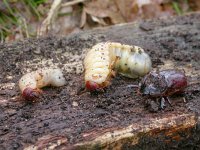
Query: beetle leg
[
  {"x": 162, "y": 103},
  {"x": 168, "y": 100}
]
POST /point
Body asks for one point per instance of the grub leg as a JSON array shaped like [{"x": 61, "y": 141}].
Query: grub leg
[{"x": 81, "y": 89}]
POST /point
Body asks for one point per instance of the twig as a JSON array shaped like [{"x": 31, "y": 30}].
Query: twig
[
  {"x": 1, "y": 32},
  {"x": 25, "y": 27},
  {"x": 47, "y": 23},
  {"x": 67, "y": 4}
]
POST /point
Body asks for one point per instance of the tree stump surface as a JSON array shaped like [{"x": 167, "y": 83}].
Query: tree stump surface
[{"x": 115, "y": 119}]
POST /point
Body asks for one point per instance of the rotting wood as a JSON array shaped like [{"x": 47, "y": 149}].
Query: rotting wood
[{"x": 116, "y": 138}]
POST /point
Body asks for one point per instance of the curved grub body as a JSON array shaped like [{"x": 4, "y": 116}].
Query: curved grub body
[
  {"x": 104, "y": 58},
  {"x": 31, "y": 83}
]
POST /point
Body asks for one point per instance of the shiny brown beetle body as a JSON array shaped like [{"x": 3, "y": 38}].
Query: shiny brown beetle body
[{"x": 161, "y": 84}]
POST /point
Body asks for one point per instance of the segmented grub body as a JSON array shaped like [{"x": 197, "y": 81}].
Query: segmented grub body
[
  {"x": 105, "y": 58},
  {"x": 31, "y": 83}
]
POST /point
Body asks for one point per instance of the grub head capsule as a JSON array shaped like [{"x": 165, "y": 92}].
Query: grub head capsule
[
  {"x": 91, "y": 86},
  {"x": 31, "y": 94}
]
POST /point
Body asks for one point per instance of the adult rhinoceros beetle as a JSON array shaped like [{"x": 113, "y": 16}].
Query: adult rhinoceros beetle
[{"x": 161, "y": 84}]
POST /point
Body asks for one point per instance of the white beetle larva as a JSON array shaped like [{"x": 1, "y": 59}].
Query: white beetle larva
[
  {"x": 31, "y": 83},
  {"x": 105, "y": 58}
]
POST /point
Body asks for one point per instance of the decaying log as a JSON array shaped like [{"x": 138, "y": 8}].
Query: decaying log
[{"x": 115, "y": 119}]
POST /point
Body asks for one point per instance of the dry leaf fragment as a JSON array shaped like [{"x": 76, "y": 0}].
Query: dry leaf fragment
[{"x": 101, "y": 10}]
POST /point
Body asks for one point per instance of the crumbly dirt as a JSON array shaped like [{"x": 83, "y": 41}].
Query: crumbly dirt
[{"x": 171, "y": 43}]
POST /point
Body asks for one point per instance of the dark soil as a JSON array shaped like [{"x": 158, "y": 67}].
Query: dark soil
[{"x": 60, "y": 111}]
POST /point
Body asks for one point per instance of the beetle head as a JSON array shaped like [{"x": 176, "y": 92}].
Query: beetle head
[{"x": 153, "y": 85}]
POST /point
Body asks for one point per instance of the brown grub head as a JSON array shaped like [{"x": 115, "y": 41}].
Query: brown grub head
[{"x": 31, "y": 94}]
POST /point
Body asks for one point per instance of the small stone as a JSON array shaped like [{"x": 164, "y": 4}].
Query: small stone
[
  {"x": 9, "y": 77},
  {"x": 153, "y": 106},
  {"x": 75, "y": 104},
  {"x": 37, "y": 51}
]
